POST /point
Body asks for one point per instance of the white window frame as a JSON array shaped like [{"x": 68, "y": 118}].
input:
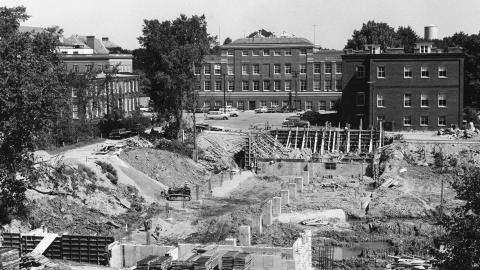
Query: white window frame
[
  {"x": 317, "y": 68},
  {"x": 231, "y": 86},
  {"x": 256, "y": 69},
  {"x": 303, "y": 68},
  {"x": 257, "y": 84},
  {"x": 74, "y": 93},
  {"x": 442, "y": 97},
  {"x": 338, "y": 68},
  {"x": 289, "y": 83},
  {"x": 422, "y": 117},
  {"x": 288, "y": 68},
  {"x": 205, "y": 84},
  {"x": 275, "y": 71},
  {"x": 230, "y": 53},
  {"x": 247, "y": 83},
  {"x": 409, "y": 70},
  {"x": 337, "y": 88},
  {"x": 308, "y": 103},
  {"x": 320, "y": 105},
  {"x": 230, "y": 69},
  {"x": 410, "y": 120},
  {"x": 424, "y": 69},
  {"x": 380, "y": 101},
  {"x": 380, "y": 72},
  {"x": 244, "y": 69},
  {"x": 442, "y": 69},
  {"x": 75, "y": 111},
  {"x": 277, "y": 53},
  {"x": 266, "y": 54},
  {"x": 360, "y": 71},
  {"x": 303, "y": 85},
  {"x": 197, "y": 70},
  {"x": 218, "y": 83},
  {"x": 244, "y": 52},
  {"x": 217, "y": 69},
  {"x": 445, "y": 121},
  {"x": 279, "y": 85},
  {"x": 317, "y": 86},
  {"x": 424, "y": 97},
  {"x": 329, "y": 64},
  {"x": 405, "y": 100},
  {"x": 209, "y": 69},
  {"x": 266, "y": 83}
]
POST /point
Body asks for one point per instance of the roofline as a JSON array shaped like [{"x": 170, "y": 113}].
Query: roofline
[
  {"x": 95, "y": 56},
  {"x": 266, "y": 45},
  {"x": 403, "y": 55}
]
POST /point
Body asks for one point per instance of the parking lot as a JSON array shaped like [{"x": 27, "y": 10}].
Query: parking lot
[{"x": 246, "y": 120}]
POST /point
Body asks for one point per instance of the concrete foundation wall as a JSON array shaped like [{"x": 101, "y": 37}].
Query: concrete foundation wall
[{"x": 317, "y": 169}]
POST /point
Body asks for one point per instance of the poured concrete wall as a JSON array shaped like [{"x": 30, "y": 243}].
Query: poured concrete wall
[{"x": 317, "y": 169}]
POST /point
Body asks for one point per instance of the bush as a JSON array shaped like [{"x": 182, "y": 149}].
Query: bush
[
  {"x": 84, "y": 169},
  {"x": 108, "y": 170},
  {"x": 112, "y": 178},
  {"x": 175, "y": 146},
  {"x": 136, "y": 122}
]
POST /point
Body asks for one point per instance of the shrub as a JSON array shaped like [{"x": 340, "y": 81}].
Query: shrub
[
  {"x": 108, "y": 170},
  {"x": 84, "y": 169},
  {"x": 112, "y": 178}
]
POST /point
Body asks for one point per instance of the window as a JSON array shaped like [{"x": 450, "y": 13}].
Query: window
[
  {"x": 424, "y": 49},
  {"x": 207, "y": 85},
  {"x": 328, "y": 68},
  {"x": 308, "y": 105},
  {"x": 256, "y": 85},
  {"x": 332, "y": 104},
  {"x": 288, "y": 85},
  {"x": 276, "y": 69},
  {"x": 316, "y": 85},
  {"x": 303, "y": 85},
  {"x": 218, "y": 104},
  {"x": 231, "y": 85},
  {"x": 88, "y": 68},
  {"x": 197, "y": 85},
  {"x": 442, "y": 121},
  {"x": 256, "y": 69},
  {"x": 423, "y": 100},
  {"x": 74, "y": 92},
  {"x": 380, "y": 101},
  {"x": 75, "y": 68},
  {"x": 274, "y": 103},
  {"x": 230, "y": 53},
  {"x": 217, "y": 69},
  {"x": 338, "y": 85},
  {"x": 230, "y": 69},
  {"x": 381, "y": 72},
  {"x": 74, "y": 111},
  {"x": 330, "y": 166},
  {"x": 241, "y": 105},
  {"x": 266, "y": 52},
  {"x": 196, "y": 70},
  {"x": 277, "y": 53},
  {"x": 245, "y": 86},
  {"x": 244, "y": 53},
  {"x": 423, "y": 120},
  {"x": 328, "y": 85},
  {"x": 266, "y": 85},
  {"x": 360, "y": 99},
  {"x": 407, "y": 121},
  {"x": 316, "y": 68},
  {"x": 303, "y": 51},
  {"x": 229, "y": 103},
  {"x": 276, "y": 85},
  {"x": 288, "y": 52},
  {"x": 218, "y": 85},
  {"x": 360, "y": 71},
  {"x": 255, "y": 53},
  {"x": 407, "y": 72},
  {"x": 263, "y": 103},
  {"x": 442, "y": 72},
  {"x": 338, "y": 68},
  {"x": 442, "y": 100},
  {"x": 303, "y": 68},
  {"x": 322, "y": 105},
  {"x": 407, "y": 100},
  {"x": 206, "y": 70},
  {"x": 288, "y": 69},
  {"x": 244, "y": 70},
  {"x": 424, "y": 72}
]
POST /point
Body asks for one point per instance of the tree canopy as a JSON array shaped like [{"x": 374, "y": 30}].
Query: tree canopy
[
  {"x": 227, "y": 41},
  {"x": 170, "y": 51},
  {"x": 31, "y": 96},
  {"x": 263, "y": 32}
]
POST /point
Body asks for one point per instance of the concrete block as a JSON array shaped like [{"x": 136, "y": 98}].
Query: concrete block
[
  {"x": 257, "y": 223},
  {"x": 285, "y": 197},
  {"x": 230, "y": 241},
  {"x": 292, "y": 189},
  {"x": 299, "y": 182},
  {"x": 267, "y": 219},
  {"x": 244, "y": 235},
  {"x": 277, "y": 206},
  {"x": 306, "y": 176},
  {"x": 116, "y": 261}
]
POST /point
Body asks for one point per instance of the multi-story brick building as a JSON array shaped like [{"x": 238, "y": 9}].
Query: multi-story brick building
[
  {"x": 275, "y": 71},
  {"x": 420, "y": 90},
  {"x": 82, "y": 55}
]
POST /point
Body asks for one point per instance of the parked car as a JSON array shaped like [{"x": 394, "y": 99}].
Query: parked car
[
  {"x": 232, "y": 112},
  {"x": 262, "y": 109},
  {"x": 217, "y": 115},
  {"x": 274, "y": 109},
  {"x": 295, "y": 121}
]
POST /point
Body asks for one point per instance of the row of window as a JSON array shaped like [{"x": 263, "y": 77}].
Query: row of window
[
  {"x": 407, "y": 100},
  {"x": 322, "y": 104},
  {"x": 98, "y": 109},
  {"x": 255, "y": 69},
  {"x": 266, "y": 52},
  {"x": 407, "y": 72},
  {"x": 277, "y": 85},
  {"x": 116, "y": 87},
  {"x": 100, "y": 68},
  {"x": 407, "y": 120}
]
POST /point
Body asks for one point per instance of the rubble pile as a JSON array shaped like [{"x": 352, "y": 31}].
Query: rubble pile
[
  {"x": 219, "y": 149},
  {"x": 469, "y": 132},
  {"x": 36, "y": 260},
  {"x": 410, "y": 262},
  {"x": 129, "y": 143},
  {"x": 9, "y": 259}
]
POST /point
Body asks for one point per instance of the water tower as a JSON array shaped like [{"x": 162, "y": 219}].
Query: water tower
[{"x": 431, "y": 32}]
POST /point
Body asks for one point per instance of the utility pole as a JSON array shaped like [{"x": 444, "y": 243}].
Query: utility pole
[
  {"x": 195, "y": 151},
  {"x": 224, "y": 90}
]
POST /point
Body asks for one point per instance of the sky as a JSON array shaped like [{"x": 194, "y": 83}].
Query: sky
[{"x": 327, "y": 23}]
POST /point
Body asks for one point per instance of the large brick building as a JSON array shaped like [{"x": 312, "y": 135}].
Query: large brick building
[
  {"x": 420, "y": 90},
  {"x": 275, "y": 71}
]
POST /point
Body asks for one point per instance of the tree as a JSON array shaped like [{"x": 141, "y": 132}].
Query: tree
[
  {"x": 406, "y": 37},
  {"x": 31, "y": 96},
  {"x": 227, "y": 41},
  {"x": 262, "y": 32},
  {"x": 173, "y": 49},
  {"x": 463, "y": 227}
]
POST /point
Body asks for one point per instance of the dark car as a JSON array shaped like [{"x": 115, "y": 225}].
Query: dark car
[
  {"x": 274, "y": 109},
  {"x": 295, "y": 121},
  {"x": 119, "y": 133}
]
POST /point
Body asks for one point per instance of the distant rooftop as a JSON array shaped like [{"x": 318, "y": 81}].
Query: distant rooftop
[
  {"x": 98, "y": 48},
  {"x": 270, "y": 41}
]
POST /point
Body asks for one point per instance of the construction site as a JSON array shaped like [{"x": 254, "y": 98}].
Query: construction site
[{"x": 290, "y": 199}]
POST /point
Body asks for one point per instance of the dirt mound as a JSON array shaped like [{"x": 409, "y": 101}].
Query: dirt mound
[
  {"x": 219, "y": 148},
  {"x": 165, "y": 167}
]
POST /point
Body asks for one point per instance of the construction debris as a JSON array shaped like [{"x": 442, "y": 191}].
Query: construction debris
[
  {"x": 9, "y": 259},
  {"x": 128, "y": 143},
  {"x": 219, "y": 148},
  {"x": 469, "y": 132},
  {"x": 154, "y": 263},
  {"x": 36, "y": 260},
  {"x": 410, "y": 262}
]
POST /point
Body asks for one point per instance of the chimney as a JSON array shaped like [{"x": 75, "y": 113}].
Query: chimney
[
  {"x": 104, "y": 39},
  {"x": 91, "y": 42}
]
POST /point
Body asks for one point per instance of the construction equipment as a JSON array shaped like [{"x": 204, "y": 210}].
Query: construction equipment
[{"x": 178, "y": 194}]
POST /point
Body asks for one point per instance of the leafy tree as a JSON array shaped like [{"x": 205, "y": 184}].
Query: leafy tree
[
  {"x": 463, "y": 227},
  {"x": 263, "y": 32},
  {"x": 31, "y": 97},
  {"x": 227, "y": 41},
  {"x": 173, "y": 49},
  {"x": 406, "y": 37}
]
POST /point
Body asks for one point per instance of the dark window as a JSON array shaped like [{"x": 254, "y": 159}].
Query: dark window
[{"x": 330, "y": 166}]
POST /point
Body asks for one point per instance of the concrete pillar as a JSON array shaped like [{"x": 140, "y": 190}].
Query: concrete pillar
[
  {"x": 267, "y": 213},
  {"x": 277, "y": 206},
  {"x": 299, "y": 182},
  {"x": 292, "y": 189},
  {"x": 348, "y": 141},
  {"x": 257, "y": 223},
  {"x": 244, "y": 236},
  {"x": 306, "y": 175},
  {"x": 285, "y": 197}
]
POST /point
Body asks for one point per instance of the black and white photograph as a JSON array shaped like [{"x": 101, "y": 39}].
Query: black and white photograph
[{"x": 239, "y": 135}]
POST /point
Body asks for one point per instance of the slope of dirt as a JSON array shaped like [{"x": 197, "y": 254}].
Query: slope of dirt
[{"x": 219, "y": 148}]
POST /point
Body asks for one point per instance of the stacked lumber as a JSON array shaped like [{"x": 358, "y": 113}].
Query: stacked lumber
[
  {"x": 242, "y": 261},
  {"x": 228, "y": 260},
  {"x": 36, "y": 260},
  {"x": 182, "y": 265},
  {"x": 201, "y": 263},
  {"x": 410, "y": 262},
  {"x": 154, "y": 263},
  {"x": 9, "y": 259}
]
